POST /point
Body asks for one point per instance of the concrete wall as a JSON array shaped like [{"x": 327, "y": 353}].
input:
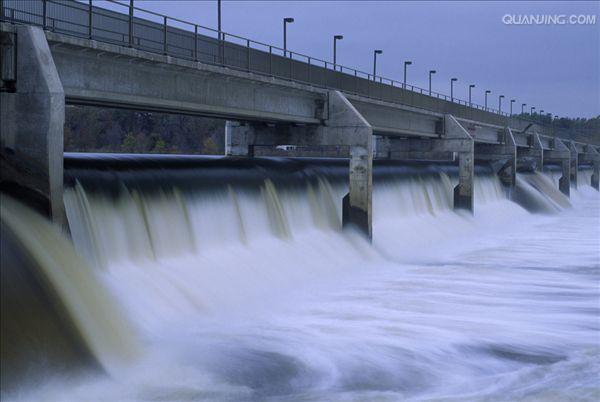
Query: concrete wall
[{"x": 31, "y": 133}]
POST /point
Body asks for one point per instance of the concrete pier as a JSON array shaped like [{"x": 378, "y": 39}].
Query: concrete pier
[
  {"x": 453, "y": 142},
  {"x": 573, "y": 164},
  {"x": 502, "y": 157},
  {"x": 344, "y": 128},
  {"x": 562, "y": 155},
  {"x": 592, "y": 156},
  {"x": 533, "y": 152},
  {"x": 460, "y": 141},
  {"x": 31, "y": 132}
]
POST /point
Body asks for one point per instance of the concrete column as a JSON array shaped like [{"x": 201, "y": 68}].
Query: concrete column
[
  {"x": 31, "y": 132},
  {"x": 573, "y": 164},
  {"x": 239, "y": 139},
  {"x": 455, "y": 133},
  {"x": 596, "y": 174},
  {"x": 533, "y": 154},
  {"x": 564, "y": 183},
  {"x": 590, "y": 155},
  {"x": 560, "y": 154},
  {"x": 346, "y": 126},
  {"x": 502, "y": 157}
]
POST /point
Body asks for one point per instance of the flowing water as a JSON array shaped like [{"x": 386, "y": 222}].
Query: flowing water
[{"x": 238, "y": 284}]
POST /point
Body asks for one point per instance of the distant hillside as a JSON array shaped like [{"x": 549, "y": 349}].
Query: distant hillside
[{"x": 91, "y": 129}]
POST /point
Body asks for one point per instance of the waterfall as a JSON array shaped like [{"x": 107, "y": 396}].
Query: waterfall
[{"x": 163, "y": 244}]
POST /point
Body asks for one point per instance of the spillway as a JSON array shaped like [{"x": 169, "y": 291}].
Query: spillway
[{"x": 232, "y": 279}]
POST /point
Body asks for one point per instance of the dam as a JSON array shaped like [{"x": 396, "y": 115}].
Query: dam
[{"x": 357, "y": 241}]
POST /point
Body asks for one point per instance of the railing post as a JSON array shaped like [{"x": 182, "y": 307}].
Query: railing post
[
  {"x": 195, "y": 42},
  {"x": 291, "y": 65},
  {"x": 309, "y": 71},
  {"x": 165, "y": 35},
  {"x": 90, "y": 11},
  {"x": 130, "y": 23},
  {"x": 44, "y": 13},
  {"x": 221, "y": 48},
  {"x": 271, "y": 60},
  {"x": 248, "y": 54}
]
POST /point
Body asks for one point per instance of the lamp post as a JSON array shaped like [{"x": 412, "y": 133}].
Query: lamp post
[
  {"x": 531, "y": 110},
  {"x": 406, "y": 64},
  {"x": 219, "y": 18},
  {"x": 130, "y": 23},
  {"x": 523, "y": 108},
  {"x": 431, "y": 72},
  {"x": 335, "y": 39},
  {"x": 470, "y": 88},
  {"x": 375, "y": 53},
  {"x": 500, "y": 103},
  {"x": 487, "y": 91},
  {"x": 452, "y": 80},
  {"x": 511, "y": 103},
  {"x": 287, "y": 20}
]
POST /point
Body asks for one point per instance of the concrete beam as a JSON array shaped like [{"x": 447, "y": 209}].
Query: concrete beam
[
  {"x": 101, "y": 74},
  {"x": 31, "y": 129}
]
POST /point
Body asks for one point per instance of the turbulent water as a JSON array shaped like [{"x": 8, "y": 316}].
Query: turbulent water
[{"x": 249, "y": 290}]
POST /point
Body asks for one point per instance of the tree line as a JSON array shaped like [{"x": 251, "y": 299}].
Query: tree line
[{"x": 92, "y": 129}]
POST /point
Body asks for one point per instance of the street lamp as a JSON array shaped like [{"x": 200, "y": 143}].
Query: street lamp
[
  {"x": 219, "y": 18},
  {"x": 487, "y": 91},
  {"x": 430, "y": 73},
  {"x": 286, "y": 21},
  {"x": 335, "y": 39},
  {"x": 452, "y": 80},
  {"x": 511, "y": 103},
  {"x": 531, "y": 110},
  {"x": 500, "y": 103},
  {"x": 375, "y": 53},
  {"x": 406, "y": 64},
  {"x": 470, "y": 88},
  {"x": 523, "y": 108}
]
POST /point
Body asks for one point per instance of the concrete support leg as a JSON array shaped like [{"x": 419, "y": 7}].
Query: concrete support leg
[
  {"x": 346, "y": 126},
  {"x": 502, "y": 157},
  {"x": 455, "y": 142},
  {"x": 239, "y": 139},
  {"x": 564, "y": 183},
  {"x": 591, "y": 155},
  {"x": 574, "y": 164},
  {"x": 31, "y": 132},
  {"x": 561, "y": 154},
  {"x": 343, "y": 129},
  {"x": 533, "y": 155},
  {"x": 596, "y": 173},
  {"x": 456, "y": 134}
]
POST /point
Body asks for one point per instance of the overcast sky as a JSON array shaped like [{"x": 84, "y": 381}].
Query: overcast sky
[{"x": 552, "y": 67}]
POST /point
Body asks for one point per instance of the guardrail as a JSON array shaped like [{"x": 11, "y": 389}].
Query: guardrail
[{"x": 153, "y": 32}]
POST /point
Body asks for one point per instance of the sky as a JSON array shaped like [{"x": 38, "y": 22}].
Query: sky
[{"x": 552, "y": 67}]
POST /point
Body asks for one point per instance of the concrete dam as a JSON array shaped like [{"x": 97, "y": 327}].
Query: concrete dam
[{"x": 358, "y": 241}]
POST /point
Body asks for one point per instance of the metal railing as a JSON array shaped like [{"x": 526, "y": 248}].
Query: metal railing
[{"x": 153, "y": 32}]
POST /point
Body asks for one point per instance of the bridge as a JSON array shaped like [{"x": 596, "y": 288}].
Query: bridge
[{"x": 57, "y": 53}]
